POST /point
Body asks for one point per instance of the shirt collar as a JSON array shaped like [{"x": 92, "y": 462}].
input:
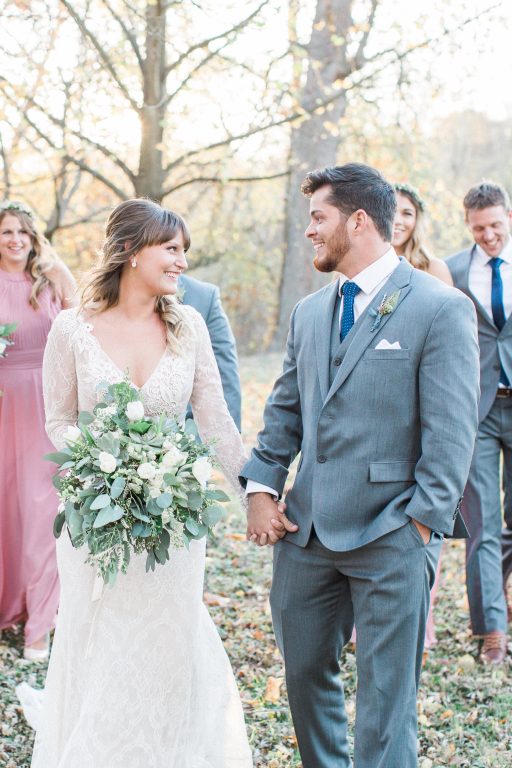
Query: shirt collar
[
  {"x": 506, "y": 253},
  {"x": 375, "y": 274}
]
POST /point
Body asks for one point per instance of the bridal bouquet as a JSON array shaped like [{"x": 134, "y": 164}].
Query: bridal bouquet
[
  {"x": 129, "y": 483},
  {"x": 5, "y": 331}
]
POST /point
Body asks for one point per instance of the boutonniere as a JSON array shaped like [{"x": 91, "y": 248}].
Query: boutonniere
[{"x": 386, "y": 307}]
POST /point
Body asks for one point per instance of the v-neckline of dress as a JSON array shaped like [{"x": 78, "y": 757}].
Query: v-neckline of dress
[{"x": 90, "y": 328}]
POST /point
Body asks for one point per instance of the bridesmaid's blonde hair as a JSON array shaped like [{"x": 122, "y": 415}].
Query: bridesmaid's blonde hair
[
  {"x": 42, "y": 258},
  {"x": 416, "y": 251},
  {"x": 134, "y": 225}
]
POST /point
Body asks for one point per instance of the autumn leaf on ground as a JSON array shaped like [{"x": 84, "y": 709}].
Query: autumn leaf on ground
[{"x": 273, "y": 689}]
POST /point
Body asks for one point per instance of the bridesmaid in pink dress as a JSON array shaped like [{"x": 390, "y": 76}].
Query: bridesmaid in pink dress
[{"x": 34, "y": 285}]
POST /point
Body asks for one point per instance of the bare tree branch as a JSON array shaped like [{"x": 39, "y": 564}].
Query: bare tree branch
[
  {"x": 359, "y": 58},
  {"x": 205, "y": 43},
  {"x": 221, "y": 180},
  {"x": 84, "y": 29},
  {"x": 99, "y": 176},
  {"x": 127, "y": 32}
]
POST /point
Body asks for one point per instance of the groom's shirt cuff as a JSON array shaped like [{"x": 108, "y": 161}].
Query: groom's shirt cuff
[{"x": 254, "y": 487}]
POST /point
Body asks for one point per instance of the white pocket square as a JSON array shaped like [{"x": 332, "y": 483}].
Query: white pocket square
[{"x": 385, "y": 344}]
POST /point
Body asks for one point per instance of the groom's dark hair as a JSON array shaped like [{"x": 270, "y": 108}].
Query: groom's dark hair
[{"x": 355, "y": 186}]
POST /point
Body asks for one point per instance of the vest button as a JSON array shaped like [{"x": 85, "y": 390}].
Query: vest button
[
  {"x": 337, "y": 361},
  {"x": 321, "y": 459}
]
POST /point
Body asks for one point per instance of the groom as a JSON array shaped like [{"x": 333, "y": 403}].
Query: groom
[{"x": 379, "y": 393}]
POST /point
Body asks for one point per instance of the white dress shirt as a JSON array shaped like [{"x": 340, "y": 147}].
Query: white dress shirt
[
  {"x": 370, "y": 281},
  {"x": 480, "y": 278}
]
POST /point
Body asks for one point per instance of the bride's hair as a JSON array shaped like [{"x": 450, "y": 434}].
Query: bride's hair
[
  {"x": 42, "y": 258},
  {"x": 131, "y": 226}
]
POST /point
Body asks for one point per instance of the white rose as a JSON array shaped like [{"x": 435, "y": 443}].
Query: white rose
[
  {"x": 146, "y": 470},
  {"x": 173, "y": 458},
  {"x": 108, "y": 462},
  {"x": 72, "y": 433},
  {"x": 202, "y": 470},
  {"x": 135, "y": 410}
]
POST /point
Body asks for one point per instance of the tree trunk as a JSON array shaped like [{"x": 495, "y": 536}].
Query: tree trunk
[
  {"x": 314, "y": 144},
  {"x": 149, "y": 181}
]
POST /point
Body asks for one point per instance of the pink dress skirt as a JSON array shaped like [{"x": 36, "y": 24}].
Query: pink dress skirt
[{"x": 29, "y": 587}]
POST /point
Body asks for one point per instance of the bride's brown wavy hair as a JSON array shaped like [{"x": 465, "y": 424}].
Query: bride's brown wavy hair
[
  {"x": 42, "y": 258},
  {"x": 134, "y": 225}
]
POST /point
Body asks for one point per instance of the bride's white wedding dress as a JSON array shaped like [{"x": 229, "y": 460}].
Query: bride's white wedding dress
[{"x": 138, "y": 678}]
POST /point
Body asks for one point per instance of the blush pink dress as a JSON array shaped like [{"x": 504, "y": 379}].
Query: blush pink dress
[{"x": 29, "y": 586}]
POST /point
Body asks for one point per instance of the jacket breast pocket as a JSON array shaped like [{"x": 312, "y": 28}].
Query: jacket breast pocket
[
  {"x": 392, "y": 471},
  {"x": 387, "y": 354}
]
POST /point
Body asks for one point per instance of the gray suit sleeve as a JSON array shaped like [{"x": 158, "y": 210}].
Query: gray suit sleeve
[
  {"x": 224, "y": 348},
  {"x": 281, "y": 437},
  {"x": 448, "y": 398}
]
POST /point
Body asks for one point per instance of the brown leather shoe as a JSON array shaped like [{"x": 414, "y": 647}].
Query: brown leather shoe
[{"x": 494, "y": 648}]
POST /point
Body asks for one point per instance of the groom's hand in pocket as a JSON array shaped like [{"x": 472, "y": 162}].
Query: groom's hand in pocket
[
  {"x": 266, "y": 520},
  {"x": 423, "y": 530}
]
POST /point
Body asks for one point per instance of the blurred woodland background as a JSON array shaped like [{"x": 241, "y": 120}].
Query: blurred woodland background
[{"x": 218, "y": 108}]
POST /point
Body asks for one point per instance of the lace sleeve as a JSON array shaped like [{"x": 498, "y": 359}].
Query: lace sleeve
[
  {"x": 59, "y": 378},
  {"x": 210, "y": 410}
]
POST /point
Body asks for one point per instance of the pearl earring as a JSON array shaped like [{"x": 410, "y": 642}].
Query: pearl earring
[{"x": 134, "y": 263}]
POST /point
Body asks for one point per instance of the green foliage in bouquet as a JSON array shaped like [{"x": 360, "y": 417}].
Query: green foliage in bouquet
[
  {"x": 5, "y": 331},
  {"x": 130, "y": 483}
]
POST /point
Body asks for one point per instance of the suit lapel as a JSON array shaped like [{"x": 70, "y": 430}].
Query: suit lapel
[
  {"x": 464, "y": 286},
  {"x": 323, "y": 325},
  {"x": 362, "y": 333}
]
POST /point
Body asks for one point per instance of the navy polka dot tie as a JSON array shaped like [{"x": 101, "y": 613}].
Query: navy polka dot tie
[{"x": 350, "y": 291}]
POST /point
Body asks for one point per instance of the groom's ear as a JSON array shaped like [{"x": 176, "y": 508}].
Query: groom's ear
[{"x": 358, "y": 221}]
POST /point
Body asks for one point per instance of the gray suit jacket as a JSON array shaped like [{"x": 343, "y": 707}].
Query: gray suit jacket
[
  {"x": 494, "y": 344},
  {"x": 385, "y": 434},
  {"x": 206, "y": 299}
]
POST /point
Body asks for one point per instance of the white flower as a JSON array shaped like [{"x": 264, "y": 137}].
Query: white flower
[
  {"x": 72, "y": 433},
  {"x": 173, "y": 458},
  {"x": 178, "y": 436},
  {"x": 146, "y": 470},
  {"x": 107, "y": 462},
  {"x": 3, "y": 345},
  {"x": 135, "y": 410},
  {"x": 202, "y": 470}
]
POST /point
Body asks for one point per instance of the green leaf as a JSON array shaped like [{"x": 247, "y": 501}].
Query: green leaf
[
  {"x": 60, "y": 457},
  {"x": 150, "y": 561},
  {"x": 57, "y": 482},
  {"x": 58, "y": 524},
  {"x": 212, "y": 515},
  {"x": 75, "y": 522},
  {"x": 195, "y": 500},
  {"x": 100, "y": 501},
  {"x": 217, "y": 494},
  {"x": 190, "y": 428},
  {"x": 108, "y": 515},
  {"x": 84, "y": 418},
  {"x": 164, "y": 500},
  {"x": 117, "y": 487},
  {"x": 67, "y": 465},
  {"x": 140, "y": 427},
  {"x": 140, "y": 515},
  {"x": 192, "y": 526},
  {"x": 140, "y": 530}
]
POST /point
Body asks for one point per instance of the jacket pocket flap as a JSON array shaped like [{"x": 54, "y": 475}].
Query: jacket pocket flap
[{"x": 392, "y": 471}]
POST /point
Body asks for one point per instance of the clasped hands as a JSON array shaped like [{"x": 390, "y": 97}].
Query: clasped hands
[{"x": 266, "y": 519}]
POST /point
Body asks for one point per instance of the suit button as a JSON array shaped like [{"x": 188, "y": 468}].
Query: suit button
[
  {"x": 321, "y": 459},
  {"x": 337, "y": 361}
]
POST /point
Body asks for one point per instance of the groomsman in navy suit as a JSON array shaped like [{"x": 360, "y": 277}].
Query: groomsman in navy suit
[
  {"x": 484, "y": 273},
  {"x": 205, "y": 298}
]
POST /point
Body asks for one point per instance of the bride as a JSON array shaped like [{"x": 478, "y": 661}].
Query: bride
[{"x": 138, "y": 678}]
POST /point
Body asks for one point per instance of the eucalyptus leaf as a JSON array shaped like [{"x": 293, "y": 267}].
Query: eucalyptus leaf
[
  {"x": 85, "y": 418},
  {"x": 141, "y": 531},
  {"x": 217, "y": 494},
  {"x": 195, "y": 500},
  {"x": 164, "y": 500},
  {"x": 75, "y": 522},
  {"x": 60, "y": 457},
  {"x": 192, "y": 526},
  {"x": 103, "y": 500},
  {"x": 117, "y": 487},
  {"x": 108, "y": 515},
  {"x": 212, "y": 515},
  {"x": 58, "y": 524}
]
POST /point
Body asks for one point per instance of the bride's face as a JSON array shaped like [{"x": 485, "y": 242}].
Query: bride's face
[{"x": 159, "y": 266}]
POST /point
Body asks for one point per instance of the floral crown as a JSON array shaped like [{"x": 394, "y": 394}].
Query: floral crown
[
  {"x": 410, "y": 192},
  {"x": 15, "y": 205}
]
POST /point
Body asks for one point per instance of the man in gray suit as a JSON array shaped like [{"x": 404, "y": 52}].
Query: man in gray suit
[
  {"x": 484, "y": 273},
  {"x": 372, "y": 396},
  {"x": 206, "y": 299}
]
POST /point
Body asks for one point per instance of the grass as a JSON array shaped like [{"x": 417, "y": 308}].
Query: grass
[{"x": 464, "y": 708}]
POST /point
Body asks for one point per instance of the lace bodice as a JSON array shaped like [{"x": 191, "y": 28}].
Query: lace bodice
[{"x": 75, "y": 364}]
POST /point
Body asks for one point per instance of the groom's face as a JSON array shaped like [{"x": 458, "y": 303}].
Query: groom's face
[{"x": 327, "y": 231}]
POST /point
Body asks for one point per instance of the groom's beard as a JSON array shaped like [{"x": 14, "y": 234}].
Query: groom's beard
[{"x": 336, "y": 248}]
